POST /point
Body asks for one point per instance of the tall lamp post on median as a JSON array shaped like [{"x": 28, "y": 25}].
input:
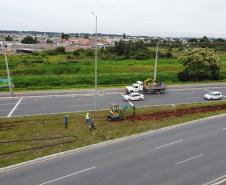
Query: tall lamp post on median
[
  {"x": 156, "y": 59},
  {"x": 7, "y": 69},
  {"x": 95, "y": 99}
]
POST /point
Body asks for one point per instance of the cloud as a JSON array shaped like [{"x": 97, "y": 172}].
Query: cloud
[{"x": 136, "y": 17}]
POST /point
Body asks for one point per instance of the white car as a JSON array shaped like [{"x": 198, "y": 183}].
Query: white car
[
  {"x": 213, "y": 96},
  {"x": 133, "y": 97}
]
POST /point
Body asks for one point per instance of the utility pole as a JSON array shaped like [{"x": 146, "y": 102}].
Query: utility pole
[
  {"x": 156, "y": 59},
  {"x": 95, "y": 99},
  {"x": 7, "y": 69}
]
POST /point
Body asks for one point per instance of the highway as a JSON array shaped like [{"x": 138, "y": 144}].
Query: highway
[
  {"x": 72, "y": 101},
  {"x": 190, "y": 154}
]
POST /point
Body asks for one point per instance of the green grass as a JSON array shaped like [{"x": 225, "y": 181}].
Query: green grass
[
  {"x": 39, "y": 71},
  {"x": 52, "y": 126}
]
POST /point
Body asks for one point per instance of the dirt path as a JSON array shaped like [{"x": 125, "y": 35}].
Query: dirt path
[{"x": 177, "y": 113}]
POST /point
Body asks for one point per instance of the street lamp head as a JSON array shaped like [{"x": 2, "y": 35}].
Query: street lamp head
[{"x": 93, "y": 13}]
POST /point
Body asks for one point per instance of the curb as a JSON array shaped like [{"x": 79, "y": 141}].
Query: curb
[{"x": 97, "y": 145}]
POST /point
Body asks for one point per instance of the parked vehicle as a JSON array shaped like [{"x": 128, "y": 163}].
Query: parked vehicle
[
  {"x": 133, "y": 97},
  {"x": 213, "y": 96},
  {"x": 149, "y": 86}
]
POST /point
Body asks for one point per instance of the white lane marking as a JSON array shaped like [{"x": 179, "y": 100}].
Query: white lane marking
[
  {"x": 14, "y": 108},
  {"x": 220, "y": 182},
  {"x": 216, "y": 181},
  {"x": 223, "y": 128},
  {"x": 197, "y": 88},
  {"x": 186, "y": 160},
  {"x": 60, "y": 95},
  {"x": 54, "y": 180},
  {"x": 199, "y": 97},
  {"x": 80, "y": 105},
  {"x": 1, "y": 110},
  {"x": 4, "y": 104},
  {"x": 162, "y": 146},
  {"x": 187, "y": 93}
]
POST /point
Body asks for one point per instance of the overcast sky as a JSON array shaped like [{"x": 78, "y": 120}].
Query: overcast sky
[{"x": 133, "y": 17}]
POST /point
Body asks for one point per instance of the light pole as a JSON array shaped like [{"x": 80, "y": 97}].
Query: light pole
[
  {"x": 156, "y": 59},
  {"x": 95, "y": 98},
  {"x": 7, "y": 69}
]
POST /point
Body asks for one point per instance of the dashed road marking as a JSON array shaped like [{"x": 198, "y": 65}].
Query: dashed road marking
[
  {"x": 60, "y": 178},
  {"x": 162, "y": 146},
  {"x": 189, "y": 159}
]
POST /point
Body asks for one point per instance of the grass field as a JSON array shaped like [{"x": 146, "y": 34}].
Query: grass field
[
  {"x": 42, "y": 71},
  {"x": 14, "y": 131}
]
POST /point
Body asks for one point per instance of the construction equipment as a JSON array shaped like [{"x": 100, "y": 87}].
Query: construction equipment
[
  {"x": 152, "y": 86},
  {"x": 149, "y": 86},
  {"x": 116, "y": 113}
]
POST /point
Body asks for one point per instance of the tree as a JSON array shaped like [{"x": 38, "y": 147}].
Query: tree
[
  {"x": 29, "y": 40},
  {"x": 124, "y": 36},
  {"x": 200, "y": 64},
  {"x": 193, "y": 40},
  {"x": 49, "y": 41},
  {"x": 65, "y": 36},
  {"x": 169, "y": 54},
  {"x": 86, "y": 36},
  {"x": 204, "y": 39},
  {"x": 8, "y": 38},
  {"x": 220, "y": 40},
  {"x": 77, "y": 52},
  {"x": 60, "y": 50}
]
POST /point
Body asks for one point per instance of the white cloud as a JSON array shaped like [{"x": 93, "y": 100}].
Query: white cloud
[{"x": 136, "y": 17}]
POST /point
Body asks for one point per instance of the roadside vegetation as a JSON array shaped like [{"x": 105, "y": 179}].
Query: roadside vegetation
[
  {"x": 27, "y": 138},
  {"x": 120, "y": 65}
]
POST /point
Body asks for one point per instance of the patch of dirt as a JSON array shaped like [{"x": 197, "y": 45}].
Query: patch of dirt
[{"x": 177, "y": 113}]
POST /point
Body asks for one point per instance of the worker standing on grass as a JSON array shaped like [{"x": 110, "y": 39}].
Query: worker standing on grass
[
  {"x": 90, "y": 122},
  {"x": 65, "y": 121}
]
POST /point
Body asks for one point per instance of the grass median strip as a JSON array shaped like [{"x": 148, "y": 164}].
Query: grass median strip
[{"x": 27, "y": 138}]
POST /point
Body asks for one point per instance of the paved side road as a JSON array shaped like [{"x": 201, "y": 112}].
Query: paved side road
[
  {"x": 34, "y": 105},
  {"x": 106, "y": 90},
  {"x": 192, "y": 154}
]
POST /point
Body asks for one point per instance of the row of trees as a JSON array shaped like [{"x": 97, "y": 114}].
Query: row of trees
[
  {"x": 199, "y": 63},
  {"x": 131, "y": 50},
  {"x": 218, "y": 44},
  {"x": 29, "y": 40}
]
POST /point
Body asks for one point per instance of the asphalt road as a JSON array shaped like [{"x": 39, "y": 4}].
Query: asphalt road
[
  {"x": 35, "y": 104},
  {"x": 192, "y": 154}
]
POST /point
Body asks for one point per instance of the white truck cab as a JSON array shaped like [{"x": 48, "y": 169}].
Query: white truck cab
[{"x": 137, "y": 87}]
